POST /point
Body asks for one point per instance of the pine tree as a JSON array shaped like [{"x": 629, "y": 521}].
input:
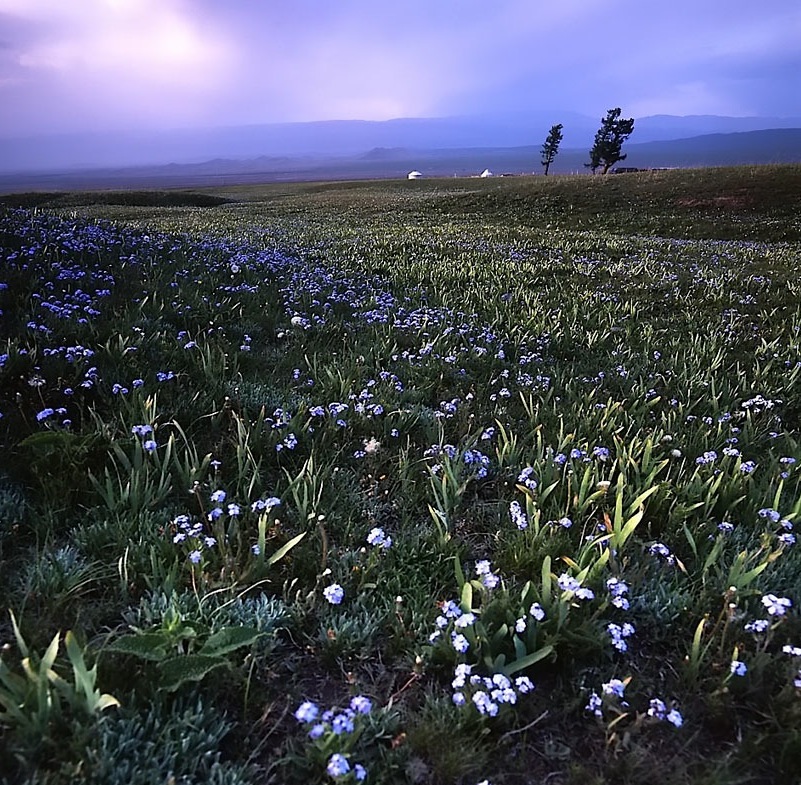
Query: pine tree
[
  {"x": 551, "y": 146},
  {"x": 609, "y": 141}
]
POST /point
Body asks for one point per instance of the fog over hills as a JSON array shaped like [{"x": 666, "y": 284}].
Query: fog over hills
[
  {"x": 779, "y": 145},
  {"x": 336, "y": 139}
]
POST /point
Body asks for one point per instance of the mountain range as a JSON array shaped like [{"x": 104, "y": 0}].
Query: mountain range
[
  {"x": 332, "y": 139},
  {"x": 360, "y": 149}
]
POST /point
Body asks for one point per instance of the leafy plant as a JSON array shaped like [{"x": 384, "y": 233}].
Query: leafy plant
[{"x": 35, "y": 705}]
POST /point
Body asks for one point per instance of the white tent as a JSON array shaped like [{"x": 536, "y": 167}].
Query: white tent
[
  {"x": 486, "y": 173},
  {"x": 414, "y": 175}
]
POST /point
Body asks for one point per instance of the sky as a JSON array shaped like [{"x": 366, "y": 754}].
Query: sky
[{"x": 78, "y": 65}]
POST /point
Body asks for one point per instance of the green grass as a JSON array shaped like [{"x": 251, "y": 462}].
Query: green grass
[{"x": 614, "y": 362}]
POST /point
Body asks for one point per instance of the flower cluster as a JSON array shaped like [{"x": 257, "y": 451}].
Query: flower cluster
[
  {"x": 487, "y": 693},
  {"x": 145, "y": 432},
  {"x": 567, "y": 583},
  {"x": 336, "y": 727},
  {"x": 378, "y": 538},
  {"x": 611, "y": 697}
]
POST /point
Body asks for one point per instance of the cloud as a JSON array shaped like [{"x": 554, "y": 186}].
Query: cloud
[
  {"x": 114, "y": 60},
  {"x": 167, "y": 63}
]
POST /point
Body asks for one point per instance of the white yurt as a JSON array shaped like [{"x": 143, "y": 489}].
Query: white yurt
[{"x": 414, "y": 175}]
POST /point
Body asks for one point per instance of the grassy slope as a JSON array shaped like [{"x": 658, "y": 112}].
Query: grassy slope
[{"x": 389, "y": 228}]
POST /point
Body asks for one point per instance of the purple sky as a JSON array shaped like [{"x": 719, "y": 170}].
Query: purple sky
[{"x": 68, "y": 65}]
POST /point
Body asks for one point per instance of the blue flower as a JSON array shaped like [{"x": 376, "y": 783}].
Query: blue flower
[
  {"x": 334, "y": 593},
  {"x": 460, "y": 643},
  {"x": 738, "y": 668},
  {"x": 307, "y": 712},
  {"x": 517, "y": 515},
  {"x": 776, "y": 606},
  {"x": 338, "y": 765},
  {"x": 361, "y": 704}
]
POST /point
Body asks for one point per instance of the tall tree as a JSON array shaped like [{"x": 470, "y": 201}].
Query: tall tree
[
  {"x": 609, "y": 141},
  {"x": 551, "y": 146}
]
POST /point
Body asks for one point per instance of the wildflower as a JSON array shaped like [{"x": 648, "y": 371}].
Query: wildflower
[
  {"x": 617, "y": 589},
  {"x": 594, "y": 704},
  {"x": 334, "y": 593},
  {"x": 317, "y": 731},
  {"x": 342, "y": 723},
  {"x": 307, "y": 712},
  {"x": 371, "y": 446},
  {"x": 524, "y": 684},
  {"x": 460, "y": 643},
  {"x": 771, "y": 514},
  {"x": 614, "y": 687},
  {"x": 265, "y": 505},
  {"x": 255, "y": 549},
  {"x": 484, "y": 704},
  {"x": 142, "y": 430},
  {"x": 378, "y": 539},
  {"x": 565, "y": 523},
  {"x": 738, "y": 668},
  {"x": 660, "y": 549},
  {"x": 748, "y": 467},
  {"x": 518, "y": 516},
  {"x": 359, "y": 772},
  {"x": 218, "y": 497},
  {"x": 460, "y": 674},
  {"x": 674, "y": 718},
  {"x": 490, "y": 580},
  {"x": 793, "y": 651},
  {"x": 536, "y": 610},
  {"x": 619, "y": 633},
  {"x": 361, "y": 704},
  {"x": 451, "y": 610},
  {"x": 194, "y": 557},
  {"x": 525, "y": 478},
  {"x": 567, "y": 582},
  {"x": 234, "y": 510},
  {"x": 520, "y": 625},
  {"x": 776, "y": 606},
  {"x": 757, "y": 626},
  {"x": 465, "y": 620},
  {"x": 338, "y": 765},
  {"x": 710, "y": 456}
]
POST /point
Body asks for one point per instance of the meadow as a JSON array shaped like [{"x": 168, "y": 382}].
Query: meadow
[{"x": 447, "y": 481}]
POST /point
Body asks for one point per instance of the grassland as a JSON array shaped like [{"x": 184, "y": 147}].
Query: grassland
[{"x": 431, "y": 482}]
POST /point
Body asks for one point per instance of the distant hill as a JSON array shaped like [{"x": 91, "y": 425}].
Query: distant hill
[
  {"x": 780, "y": 145},
  {"x": 347, "y": 138}
]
